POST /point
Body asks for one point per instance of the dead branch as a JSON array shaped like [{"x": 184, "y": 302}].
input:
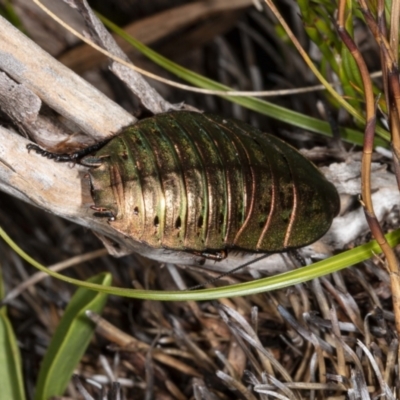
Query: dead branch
[{"x": 57, "y": 86}]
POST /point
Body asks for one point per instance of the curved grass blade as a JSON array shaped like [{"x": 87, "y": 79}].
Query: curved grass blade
[
  {"x": 321, "y": 268},
  {"x": 11, "y": 381},
  {"x": 70, "y": 340},
  {"x": 252, "y": 103}
]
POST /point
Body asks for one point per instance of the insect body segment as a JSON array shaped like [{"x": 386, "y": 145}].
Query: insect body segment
[
  {"x": 196, "y": 182},
  {"x": 189, "y": 181}
]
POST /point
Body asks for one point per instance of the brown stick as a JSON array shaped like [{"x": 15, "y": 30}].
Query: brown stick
[{"x": 373, "y": 223}]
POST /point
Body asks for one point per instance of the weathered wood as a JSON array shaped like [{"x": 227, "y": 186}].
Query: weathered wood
[{"x": 57, "y": 86}]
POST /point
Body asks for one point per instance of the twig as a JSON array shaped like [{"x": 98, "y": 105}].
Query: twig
[
  {"x": 148, "y": 96},
  {"x": 373, "y": 223}
]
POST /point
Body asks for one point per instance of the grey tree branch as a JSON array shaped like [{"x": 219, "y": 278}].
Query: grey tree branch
[
  {"x": 57, "y": 86},
  {"x": 25, "y": 109}
]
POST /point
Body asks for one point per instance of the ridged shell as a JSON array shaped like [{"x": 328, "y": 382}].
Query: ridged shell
[{"x": 190, "y": 181}]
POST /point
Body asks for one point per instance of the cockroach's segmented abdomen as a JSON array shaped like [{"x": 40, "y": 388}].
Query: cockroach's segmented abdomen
[{"x": 201, "y": 183}]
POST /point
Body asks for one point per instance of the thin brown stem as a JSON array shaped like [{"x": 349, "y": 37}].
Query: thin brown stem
[
  {"x": 394, "y": 119},
  {"x": 381, "y": 20},
  {"x": 394, "y": 29},
  {"x": 376, "y": 31},
  {"x": 392, "y": 95},
  {"x": 373, "y": 223}
]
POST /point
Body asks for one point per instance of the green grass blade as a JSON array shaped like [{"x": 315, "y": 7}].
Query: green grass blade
[
  {"x": 252, "y": 103},
  {"x": 11, "y": 381},
  {"x": 321, "y": 268},
  {"x": 70, "y": 340}
]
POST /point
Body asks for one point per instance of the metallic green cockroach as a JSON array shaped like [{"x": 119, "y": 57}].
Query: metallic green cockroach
[{"x": 202, "y": 183}]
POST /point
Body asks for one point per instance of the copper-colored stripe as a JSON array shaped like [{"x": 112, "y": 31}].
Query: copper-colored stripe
[
  {"x": 292, "y": 217},
  {"x": 271, "y": 211},
  {"x": 116, "y": 184},
  {"x": 294, "y": 207},
  {"x": 249, "y": 211}
]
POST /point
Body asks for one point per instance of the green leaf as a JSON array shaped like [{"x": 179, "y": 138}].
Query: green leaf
[
  {"x": 11, "y": 381},
  {"x": 321, "y": 268},
  {"x": 351, "y": 69},
  {"x": 70, "y": 340}
]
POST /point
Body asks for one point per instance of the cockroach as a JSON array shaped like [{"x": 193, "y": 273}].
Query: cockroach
[{"x": 204, "y": 184}]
